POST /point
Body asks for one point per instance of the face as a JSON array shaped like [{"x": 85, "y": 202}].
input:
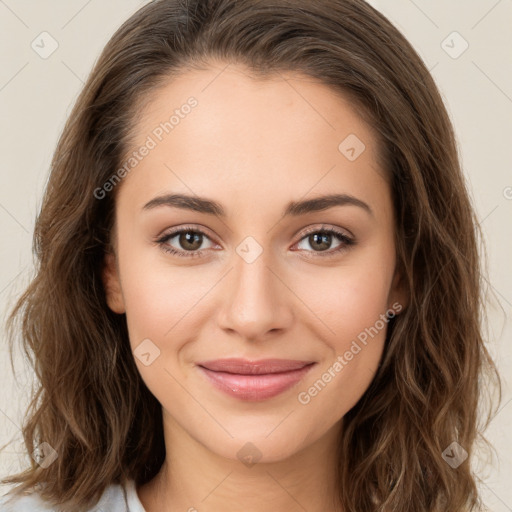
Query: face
[{"x": 253, "y": 265}]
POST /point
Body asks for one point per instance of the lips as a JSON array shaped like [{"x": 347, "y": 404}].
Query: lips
[
  {"x": 246, "y": 367},
  {"x": 254, "y": 380}
]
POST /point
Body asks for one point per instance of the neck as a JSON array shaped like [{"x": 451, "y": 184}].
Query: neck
[{"x": 193, "y": 478}]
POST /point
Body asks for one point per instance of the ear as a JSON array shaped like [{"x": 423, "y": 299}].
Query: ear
[
  {"x": 112, "y": 284},
  {"x": 398, "y": 294}
]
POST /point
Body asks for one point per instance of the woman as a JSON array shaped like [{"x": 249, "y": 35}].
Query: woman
[{"x": 259, "y": 281}]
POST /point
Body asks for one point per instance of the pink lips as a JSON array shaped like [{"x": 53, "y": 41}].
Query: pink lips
[{"x": 254, "y": 380}]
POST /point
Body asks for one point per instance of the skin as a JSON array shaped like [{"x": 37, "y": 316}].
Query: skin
[{"x": 253, "y": 146}]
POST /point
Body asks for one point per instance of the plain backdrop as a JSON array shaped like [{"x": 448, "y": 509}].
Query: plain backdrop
[{"x": 466, "y": 45}]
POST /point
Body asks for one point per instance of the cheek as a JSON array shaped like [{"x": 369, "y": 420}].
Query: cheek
[
  {"x": 158, "y": 299},
  {"x": 352, "y": 303},
  {"x": 347, "y": 300},
  {"x": 162, "y": 309},
  {"x": 359, "y": 302}
]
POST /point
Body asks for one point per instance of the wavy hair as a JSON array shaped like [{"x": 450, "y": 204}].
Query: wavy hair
[{"x": 91, "y": 404}]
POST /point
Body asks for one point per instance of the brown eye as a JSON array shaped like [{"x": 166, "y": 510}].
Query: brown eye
[
  {"x": 190, "y": 240},
  {"x": 321, "y": 240},
  {"x": 187, "y": 242}
]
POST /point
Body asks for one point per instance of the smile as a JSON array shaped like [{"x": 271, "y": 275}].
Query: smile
[{"x": 254, "y": 381}]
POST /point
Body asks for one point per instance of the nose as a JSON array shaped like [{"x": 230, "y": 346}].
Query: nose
[{"x": 257, "y": 302}]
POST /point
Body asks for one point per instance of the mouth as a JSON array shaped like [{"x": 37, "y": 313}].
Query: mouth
[{"x": 254, "y": 380}]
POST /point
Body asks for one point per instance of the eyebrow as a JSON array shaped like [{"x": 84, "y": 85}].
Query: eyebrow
[{"x": 294, "y": 208}]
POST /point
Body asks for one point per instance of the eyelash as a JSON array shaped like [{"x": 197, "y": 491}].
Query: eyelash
[{"x": 346, "y": 242}]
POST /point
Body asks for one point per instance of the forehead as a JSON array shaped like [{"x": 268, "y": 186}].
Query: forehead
[
  {"x": 235, "y": 96},
  {"x": 252, "y": 136}
]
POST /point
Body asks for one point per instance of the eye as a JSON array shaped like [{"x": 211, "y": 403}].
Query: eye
[
  {"x": 190, "y": 239},
  {"x": 321, "y": 239}
]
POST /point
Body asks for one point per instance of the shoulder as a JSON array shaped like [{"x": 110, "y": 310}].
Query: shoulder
[{"x": 115, "y": 498}]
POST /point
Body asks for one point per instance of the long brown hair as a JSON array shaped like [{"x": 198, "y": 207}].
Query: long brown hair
[{"x": 92, "y": 406}]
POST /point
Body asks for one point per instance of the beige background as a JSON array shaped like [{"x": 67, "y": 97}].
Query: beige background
[{"x": 36, "y": 95}]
